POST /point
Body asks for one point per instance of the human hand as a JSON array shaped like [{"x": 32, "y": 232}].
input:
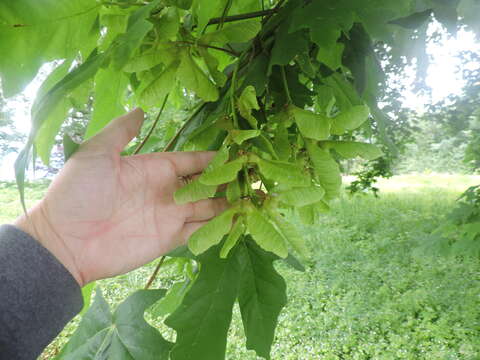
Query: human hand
[{"x": 104, "y": 215}]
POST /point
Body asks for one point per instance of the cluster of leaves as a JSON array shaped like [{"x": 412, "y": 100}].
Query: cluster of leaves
[
  {"x": 367, "y": 178},
  {"x": 460, "y": 233},
  {"x": 280, "y": 91}
]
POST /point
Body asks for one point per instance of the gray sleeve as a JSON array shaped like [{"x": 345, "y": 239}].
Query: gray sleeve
[{"x": 38, "y": 296}]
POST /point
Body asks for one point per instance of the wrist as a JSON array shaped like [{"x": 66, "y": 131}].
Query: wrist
[{"x": 37, "y": 224}]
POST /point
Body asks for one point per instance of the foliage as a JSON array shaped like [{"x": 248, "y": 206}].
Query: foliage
[
  {"x": 459, "y": 235},
  {"x": 281, "y": 94},
  {"x": 364, "y": 292}
]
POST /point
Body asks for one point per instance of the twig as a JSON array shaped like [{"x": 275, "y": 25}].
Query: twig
[
  {"x": 140, "y": 146},
  {"x": 114, "y": 3},
  {"x": 239, "y": 17},
  {"x": 155, "y": 272}
]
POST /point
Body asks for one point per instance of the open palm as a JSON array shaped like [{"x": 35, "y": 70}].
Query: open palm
[{"x": 105, "y": 214}]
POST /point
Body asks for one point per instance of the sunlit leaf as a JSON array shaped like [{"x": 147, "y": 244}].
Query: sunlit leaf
[
  {"x": 311, "y": 125},
  {"x": 284, "y": 173},
  {"x": 350, "y": 119},
  {"x": 326, "y": 169},
  {"x": 265, "y": 234},
  {"x": 224, "y": 173},
  {"x": 302, "y": 196},
  {"x": 110, "y": 86},
  {"x": 194, "y": 79},
  {"x": 211, "y": 233},
  {"x": 238, "y": 230},
  {"x": 248, "y": 102},
  {"x": 194, "y": 191}
]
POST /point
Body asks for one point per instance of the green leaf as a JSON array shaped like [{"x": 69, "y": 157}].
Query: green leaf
[
  {"x": 233, "y": 192},
  {"x": 290, "y": 234},
  {"x": 69, "y": 147},
  {"x": 413, "y": 21},
  {"x": 350, "y": 119},
  {"x": 46, "y": 119},
  {"x": 248, "y": 102},
  {"x": 302, "y": 196},
  {"x": 219, "y": 159},
  {"x": 326, "y": 21},
  {"x": 194, "y": 79},
  {"x": 138, "y": 26},
  {"x": 264, "y": 144},
  {"x": 332, "y": 57},
  {"x": 308, "y": 214},
  {"x": 35, "y": 32},
  {"x": 194, "y": 191},
  {"x": 326, "y": 169},
  {"x": 282, "y": 144},
  {"x": 212, "y": 64},
  {"x": 109, "y": 91},
  {"x": 288, "y": 45},
  {"x": 168, "y": 24},
  {"x": 205, "y": 10},
  {"x": 21, "y": 164},
  {"x": 164, "y": 53},
  {"x": 345, "y": 94},
  {"x": 47, "y": 133},
  {"x": 284, "y": 173},
  {"x": 351, "y": 149},
  {"x": 257, "y": 73},
  {"x": 239, "y": 136},
  {"x": 233, "y": 33},
  {"x": 212, "y": 232},
  {"x": 261, "y": 296},
  {"x": 203, "y": 318},
  {"x": 170, "y": 302},
  {"x": 155, "y": 92},
  {"x": 123, "y": 335},
  {"x": 311, "y": 125},
  {"x": 224, "y": 173},
  {"x": 265, "y": 233},
  {"x": 238, "y": 230},
  {"x": 87, "y": 291},
  {"x": 294, "y": 263}
]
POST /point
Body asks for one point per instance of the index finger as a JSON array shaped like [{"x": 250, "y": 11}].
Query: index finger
[{"x": 185, "y": 162}]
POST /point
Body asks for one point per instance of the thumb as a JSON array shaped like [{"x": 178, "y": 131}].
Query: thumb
[{"x": 118, "y": 133}]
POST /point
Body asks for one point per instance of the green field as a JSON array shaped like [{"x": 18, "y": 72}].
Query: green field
[{"x": 368, "y": 291}]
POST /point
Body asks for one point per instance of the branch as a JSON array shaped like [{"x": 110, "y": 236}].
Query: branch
[
  {"x": 155, "y": 272},
  {"x": 140, "y": 146},
  {"x": 251, "y": 15}
]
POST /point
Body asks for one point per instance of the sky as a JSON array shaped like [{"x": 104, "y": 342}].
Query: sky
[{"x": 442, "y": 78}]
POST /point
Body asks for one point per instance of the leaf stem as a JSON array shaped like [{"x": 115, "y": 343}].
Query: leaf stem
[
  {"x": 144, "y": 141},
  {"x": 155, "y": 272},
  {"x": 228, "y": 51},
  {"x": 285, "y": 84}
]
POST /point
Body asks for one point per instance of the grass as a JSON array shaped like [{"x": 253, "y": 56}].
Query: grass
[{"x": 368, "y": 292}]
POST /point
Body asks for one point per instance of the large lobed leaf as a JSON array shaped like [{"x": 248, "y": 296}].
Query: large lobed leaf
[{"x": 123, "y": 335}]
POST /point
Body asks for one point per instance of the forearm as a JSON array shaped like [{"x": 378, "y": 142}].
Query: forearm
[{"x": 38, "y": 296}]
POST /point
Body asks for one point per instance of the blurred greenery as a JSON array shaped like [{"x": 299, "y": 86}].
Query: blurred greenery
[{"x": 367, "y": 292}]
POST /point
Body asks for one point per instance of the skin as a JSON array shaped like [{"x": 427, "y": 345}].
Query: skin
[{"x": 105, "y": 215}]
